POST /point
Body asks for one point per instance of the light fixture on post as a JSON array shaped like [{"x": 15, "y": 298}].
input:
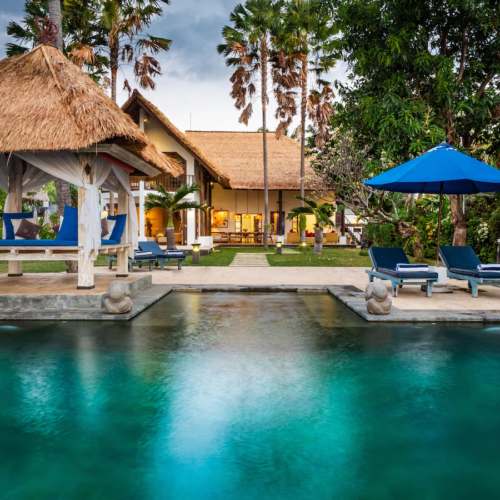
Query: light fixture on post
[
  {"x": 196, "y": 252},
  {"x": 278, "y": 248},
  {"x": 304, "y": 245}
]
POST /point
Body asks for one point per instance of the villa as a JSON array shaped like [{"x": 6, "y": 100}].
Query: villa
[{"x": 228, "y": 166}]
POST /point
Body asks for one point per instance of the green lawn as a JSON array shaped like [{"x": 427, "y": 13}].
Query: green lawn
[{"x": 331, "y": 257}]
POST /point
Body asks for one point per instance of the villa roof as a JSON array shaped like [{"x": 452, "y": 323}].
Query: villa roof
[
  {"x": 50, "y": 104},
  {"x": 137, "y": 99},
  {"x": 239, "y": 156}
]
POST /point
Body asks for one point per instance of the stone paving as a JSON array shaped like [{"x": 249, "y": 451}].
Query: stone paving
[
  {"x": 249, "y": 260},
  {"x": 411, "y": 301}
]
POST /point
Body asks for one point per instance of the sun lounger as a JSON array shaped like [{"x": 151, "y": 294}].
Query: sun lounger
[
  {"x": 140, "y": 258},
  {"x": 462, "y": 264},
  {"x": 160, "y": 256},
  {"x": 385, "y": 262}
]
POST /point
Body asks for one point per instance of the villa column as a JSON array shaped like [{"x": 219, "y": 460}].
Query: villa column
[
  {"x": 15, "y": 179},
  {"x": 122, "y": 256},
  {"x": 85, "y": 265},
  {"x": 142, "y": 215}
]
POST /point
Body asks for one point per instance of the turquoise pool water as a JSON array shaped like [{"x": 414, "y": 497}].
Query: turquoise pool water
[{"x": 249, "y": 396}]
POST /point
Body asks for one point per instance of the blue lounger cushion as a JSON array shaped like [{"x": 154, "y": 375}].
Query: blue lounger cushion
[
  {"x": 69, "y": 227},
  {"x": 7, "y": 220},
  {"x": 408, "y": 275},
  {"x": 154, "y": 248},
  {"x": 463, "y": 260},
  {"x": 459, "y": 257},
  {"x": 388, "y": 258},
  {"x": 151, "y": 246},
  {"x": 47, "y": 243},
  {"x": 475, "y": 273}
]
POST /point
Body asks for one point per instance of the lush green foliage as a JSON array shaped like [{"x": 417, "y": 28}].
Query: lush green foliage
[
  {"x": 421, "y": 72},
  {"x": 173, "y": 203},
  {"x": 323, "y": 212}
]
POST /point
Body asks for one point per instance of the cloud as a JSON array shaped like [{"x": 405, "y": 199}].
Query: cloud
[{"x": 194, "y": 86}]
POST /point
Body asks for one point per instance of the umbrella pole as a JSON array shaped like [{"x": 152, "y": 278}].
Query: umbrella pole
[{"x": 439, "y": 224}]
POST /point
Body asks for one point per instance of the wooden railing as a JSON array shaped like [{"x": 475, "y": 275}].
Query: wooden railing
[{"x": 167, "y": 181}]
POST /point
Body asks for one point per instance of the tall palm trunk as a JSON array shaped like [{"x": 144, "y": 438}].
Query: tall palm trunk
[
  {"x": 113, "y": 61},
  {"x": 264, "y": 56},
  {"x": 55, "y": 15},
  {"x": 62, "y": 187},
  {"x": 303, "y": 110},
  {"x": 318, "y": 241}
]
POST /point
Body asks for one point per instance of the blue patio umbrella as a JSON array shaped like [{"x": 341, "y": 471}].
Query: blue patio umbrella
[{"x": 442, "y": 170}]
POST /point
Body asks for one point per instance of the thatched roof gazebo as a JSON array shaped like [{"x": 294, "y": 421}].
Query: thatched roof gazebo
[{"x": 58, "y": 123}]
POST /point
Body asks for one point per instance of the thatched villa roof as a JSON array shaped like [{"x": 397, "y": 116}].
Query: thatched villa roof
[
  {"x": 239, "y": 155},
  {"x": 137, "y": 100},
  {"x": 49, "y": 104}
]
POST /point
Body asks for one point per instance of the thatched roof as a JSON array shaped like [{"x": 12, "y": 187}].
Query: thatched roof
[
  {"x": 49, "y": 103},
  {"x": 239, "y": 155},
  {"x": 137, "y": 100}
]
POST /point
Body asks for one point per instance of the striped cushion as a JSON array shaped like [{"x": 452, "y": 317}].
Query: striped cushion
[{"x": 412, "y": 268}]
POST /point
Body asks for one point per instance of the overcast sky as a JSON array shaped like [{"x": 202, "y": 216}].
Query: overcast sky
[{"x": 195, "y": 81}]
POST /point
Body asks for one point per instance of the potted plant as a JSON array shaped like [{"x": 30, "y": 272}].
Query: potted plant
[
  {"x": 321, "y": 211},
  {"x": 172, "y": 203}
]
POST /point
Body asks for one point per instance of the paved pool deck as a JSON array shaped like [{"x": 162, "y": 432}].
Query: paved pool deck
[
  {"x": 410, "y": 297},
  {"x": 345, "y": 283}
]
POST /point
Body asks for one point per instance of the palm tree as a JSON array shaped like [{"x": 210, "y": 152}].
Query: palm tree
[
  {"x": 306, "y": 43},
  {"x": 323, "y": 212},
  {"x": 172, "y": 204},
  {"x": 125, "y": 21},
  {"x": 247, "y": 45}
]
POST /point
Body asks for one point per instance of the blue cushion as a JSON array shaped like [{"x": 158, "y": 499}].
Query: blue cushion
[
  {"x": 48, "y": 243},
  {"x": 119, "y": 226},
  {"x": 459, "y": 257},
  {"x": 37, "y": 243},
  {"x": 69, "y": 227},
  {"x": 475, "y": 273},
  {"x": 151, "y": 246},
  {"x": 408, "y": 275},
  {"x": 7, "y": 220},
  {"x": 388, "y": 258}
]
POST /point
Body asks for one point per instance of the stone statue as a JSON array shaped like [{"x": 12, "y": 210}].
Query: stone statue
[
  {"x": 377, "y": 299},
  {"x": 117, "y": 299}
]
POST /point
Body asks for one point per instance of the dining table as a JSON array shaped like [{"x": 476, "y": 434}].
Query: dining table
[{"x": 243, "y": 236}]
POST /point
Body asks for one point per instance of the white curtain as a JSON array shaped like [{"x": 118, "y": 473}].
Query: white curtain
[
  {"x": 66, "y": 166},
  {"x": 120, "y": 176},
  {"x": 33, "y": 178}
]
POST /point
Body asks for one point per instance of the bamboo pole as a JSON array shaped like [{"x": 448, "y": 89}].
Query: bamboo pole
[
  {"x": 15, "y": 178},
  {"x": 85, "y": 264}
]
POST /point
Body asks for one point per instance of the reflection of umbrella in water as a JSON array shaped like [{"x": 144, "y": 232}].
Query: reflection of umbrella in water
[{"x": 442, "y": 170}]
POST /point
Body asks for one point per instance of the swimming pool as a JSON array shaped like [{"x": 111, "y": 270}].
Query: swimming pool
[{"x": 249, "y": 396}]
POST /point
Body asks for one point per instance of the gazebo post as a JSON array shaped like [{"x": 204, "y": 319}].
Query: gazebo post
[
  {"x": 123, "y": 254},
  {"x": 85, "y": 265},
  {"x": 15, "y": 177}
]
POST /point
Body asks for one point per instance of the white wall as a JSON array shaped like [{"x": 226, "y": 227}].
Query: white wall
[{"x": 245, "y": 201}]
